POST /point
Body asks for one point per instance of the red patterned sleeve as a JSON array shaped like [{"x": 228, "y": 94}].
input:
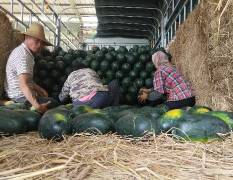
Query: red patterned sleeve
[{"x": 158, "y": 82}]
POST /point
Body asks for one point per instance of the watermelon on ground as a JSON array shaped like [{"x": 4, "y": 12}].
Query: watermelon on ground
[{"x": 94, "y": 123}]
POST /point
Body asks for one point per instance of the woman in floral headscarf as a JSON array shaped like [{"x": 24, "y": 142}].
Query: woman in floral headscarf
[{"x": 168, "y": 82}]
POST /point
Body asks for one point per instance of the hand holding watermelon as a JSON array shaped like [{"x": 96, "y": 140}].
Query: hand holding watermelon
[
  {"x": 145, "y": 90},
  {"x": 42, "y": 108},
  {"x": 142, "y": 97}
]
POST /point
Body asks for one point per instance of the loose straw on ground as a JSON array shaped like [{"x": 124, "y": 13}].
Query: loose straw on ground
[{"x": 113, "y": 157}]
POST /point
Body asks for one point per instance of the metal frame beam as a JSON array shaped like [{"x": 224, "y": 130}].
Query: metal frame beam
[
  {"x": 123, "y": 35},
  {"x": 129, "y": 24},
  {"x": 56, "y": 4},
  {"x": 51, "y": 14},
  {"x": 125, "y": 29}
]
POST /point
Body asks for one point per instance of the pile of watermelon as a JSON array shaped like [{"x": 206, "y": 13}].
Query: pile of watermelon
[
  {"x": 195, "y": 124},
  {"x": 133, "y": 68}
]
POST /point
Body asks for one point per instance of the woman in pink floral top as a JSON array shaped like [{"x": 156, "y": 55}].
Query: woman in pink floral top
[{"x": 169, "y": 82}]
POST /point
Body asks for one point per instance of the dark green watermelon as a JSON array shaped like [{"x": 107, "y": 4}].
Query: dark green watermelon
[
  {"x": 153, "y": 112},
  {"x": 12, "y": 122},
  {"x": 62, "y": 79},
  {"x": 47, "y": 84},
  {"x": 150, "y": 67},
  {"x": 132, "y": 90},
  {"x": 200, "y": 127},
  {"x": 115, "y": 112},
  {"x": 68, "y": 70},
  {"x": 68, "y": 58},
  {"x": 55, "y": 123},
  {"x": 55, "y": 95},
  {"x": 42, "y": 64},
  {"x": 138, "y": 67},
  {"x": 99, "y": 55},
  {"x": 80, "y": 60},
  {"x": 227, "y": 117},
  {"x": 131, "y": 59},
  {"x": 104, "y": 65},
  {"x": 92, "y": 123},
  {"x": 143, "y": 74},
  {"x": 56, "y": 88},
  {"x": 110, "y": 48},
  {"x": 136, "y": 56},
  {"x": 120, "y": 58},
  {"x": 59, "y": 58},
  {"x": 126, "y": 82},
  {"x": 109, "y": 57},
  {"x": 133, "y": 75},
  {"x": 50, "y": 65},
  {"x": 43, "y": 74},
  {"x": 143, "y": 58},
  {"x": 60, "y": 65},
  {"x": 95, "y": 65},
  {"x": 110, "y": 75},
  {"x": 126, "y": 67},
  {"x": 136, "y": 125},
  {"x": 122, "y": 49},
  {"x": 87, "y": 63},
  {"x": 115, "y": 66},
  {"x": 171, "y": 119},
  {"x": 55, "y": 74},
  {"x": 114, "y": 54},
  {"x": 149, "y": 83},
  {"x": 119, "y": 75},
  {"x": 75, "y": 64},
  {"x": 138, "y": 83},
  {"x": 31, "y": 117},
  {"x": 104, "y": 50},
  {"x": 142, "y": 50},
  {"x": 89, "y": 58}
]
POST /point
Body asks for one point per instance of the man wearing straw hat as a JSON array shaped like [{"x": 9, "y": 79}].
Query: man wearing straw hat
[{"x": 19, "y": 83}]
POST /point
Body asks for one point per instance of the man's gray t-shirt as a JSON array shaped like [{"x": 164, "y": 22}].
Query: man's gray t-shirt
[{"x": 19, "y": 62}]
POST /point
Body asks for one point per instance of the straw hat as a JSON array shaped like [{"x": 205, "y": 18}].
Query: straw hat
[{"x": 36, "y": 30}]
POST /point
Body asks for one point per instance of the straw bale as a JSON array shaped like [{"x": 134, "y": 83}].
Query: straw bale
[
  {"x": 111, "y": 157},
  {"x": 203, "y": 52},
  {"x": 5, "y": 47}
]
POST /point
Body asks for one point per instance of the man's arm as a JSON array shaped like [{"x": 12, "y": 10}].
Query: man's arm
[{"x": 24, "y": 82}]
